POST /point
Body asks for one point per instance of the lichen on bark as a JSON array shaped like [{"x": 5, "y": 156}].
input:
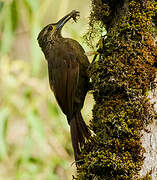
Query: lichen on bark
[{"x": 122, "y": 76}]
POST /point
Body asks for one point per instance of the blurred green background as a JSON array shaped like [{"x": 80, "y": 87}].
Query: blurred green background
[{"x": 35, "y": 142}]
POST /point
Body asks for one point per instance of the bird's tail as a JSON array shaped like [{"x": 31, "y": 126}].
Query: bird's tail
[{"x": 79, "y": 133}]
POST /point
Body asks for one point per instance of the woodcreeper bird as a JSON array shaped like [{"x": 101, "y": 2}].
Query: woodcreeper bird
[{"x": 68, "y": 77}]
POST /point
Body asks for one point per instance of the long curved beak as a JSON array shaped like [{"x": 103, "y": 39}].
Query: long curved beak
[{"x": 73, "y": 14}]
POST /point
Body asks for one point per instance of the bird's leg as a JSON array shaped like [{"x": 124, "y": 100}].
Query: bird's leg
[
  {"x": 89, "y": 67},
  {"x": 100, "y": 50}
]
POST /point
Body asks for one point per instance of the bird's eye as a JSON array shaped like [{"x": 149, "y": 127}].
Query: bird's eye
[{"x": 50, "y": 28}]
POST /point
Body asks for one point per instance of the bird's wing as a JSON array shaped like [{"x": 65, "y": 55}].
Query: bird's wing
[{"x": 63, "y": 77}]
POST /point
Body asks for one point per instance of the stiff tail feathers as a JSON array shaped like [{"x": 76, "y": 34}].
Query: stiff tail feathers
[{"x": 79, "y": 132}]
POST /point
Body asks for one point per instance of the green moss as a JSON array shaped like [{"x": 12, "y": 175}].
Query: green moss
[{"x": 121, "y": 79}]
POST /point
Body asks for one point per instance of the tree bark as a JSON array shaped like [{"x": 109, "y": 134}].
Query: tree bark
[
  {"x": 124, "y": 140},
  {"x": 149, "y": 142}
]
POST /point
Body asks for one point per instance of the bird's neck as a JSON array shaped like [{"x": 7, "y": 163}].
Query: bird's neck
[{"x": 51, "y": 45}]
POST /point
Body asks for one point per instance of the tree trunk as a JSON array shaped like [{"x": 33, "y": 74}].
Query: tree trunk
[
  {"x": 122, "y": 76},
  {"x": 149, "y": 142}
]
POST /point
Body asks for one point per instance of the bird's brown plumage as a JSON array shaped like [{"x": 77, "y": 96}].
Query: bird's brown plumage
[{"x": 67, "y": 67}]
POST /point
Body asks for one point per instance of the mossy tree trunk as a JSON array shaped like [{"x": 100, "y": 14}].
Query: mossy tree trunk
[{"x": 122, "y": 76}]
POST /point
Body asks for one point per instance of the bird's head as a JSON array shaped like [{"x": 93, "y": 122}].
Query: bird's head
[{"x": 51, "y": 32}]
